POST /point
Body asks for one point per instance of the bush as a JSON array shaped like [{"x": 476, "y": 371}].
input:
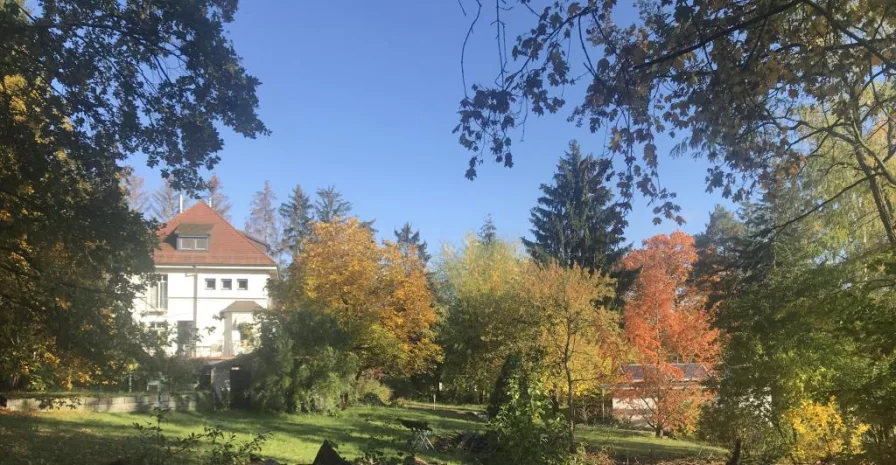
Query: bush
[
  {"x": 821, "y": 434},
  {"x": 525, "y": 430},
  {"x": 751, "y": 422},
  {"x": 296, "y": 369},
  {"x": 369, "y": 390},
  {"x": 510, "y": 369}
]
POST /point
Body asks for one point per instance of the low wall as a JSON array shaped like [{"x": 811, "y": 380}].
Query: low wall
[{"x": 122, "y": 404}]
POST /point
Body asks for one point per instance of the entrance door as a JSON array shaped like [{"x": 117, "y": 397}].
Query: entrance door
[{"x": 240, "y": 381}]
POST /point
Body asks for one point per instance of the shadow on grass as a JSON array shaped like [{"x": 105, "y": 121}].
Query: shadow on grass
[
  {"x": 97, "y": 439},
  {"x": 465, "y": 416}
]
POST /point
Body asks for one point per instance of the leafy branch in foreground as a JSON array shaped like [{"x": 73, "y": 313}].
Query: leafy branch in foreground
[{"x": 756, "y": 88}]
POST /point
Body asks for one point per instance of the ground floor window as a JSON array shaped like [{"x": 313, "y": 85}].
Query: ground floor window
[{"x": 186, "y": 335}]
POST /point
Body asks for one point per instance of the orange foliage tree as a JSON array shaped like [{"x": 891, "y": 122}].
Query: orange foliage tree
[
  {"x": 666, "y": 323},
  {"x": 379, "y": 296}
]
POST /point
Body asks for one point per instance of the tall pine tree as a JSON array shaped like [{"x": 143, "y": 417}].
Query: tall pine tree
[
  {"x": 330, "y": 205},
  {"x": 488, "y": 233},
  {"x": 577, "y": 222},
  {"x": 262, "y": 222},
  {"x": 408, "y": 240},
  {"x": 296, "y": 215}
]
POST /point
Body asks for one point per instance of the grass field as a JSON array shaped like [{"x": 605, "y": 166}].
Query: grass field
[{"x": 99, "y": 438}]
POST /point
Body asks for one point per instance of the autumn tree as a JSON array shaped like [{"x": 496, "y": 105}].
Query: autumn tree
[
  {"x": 262, "y": 222},
  {"x": 378, "y": 296},
  {"x": 409, "y": 242},
  {"x": 296, "y": 216},
  {"x": 133, "y": 184},
  {"x": 216, "y": 198},
  {"x": 166, "y": 202},
  {"x": 665, "y": 322},
  {"x": 582, "y": 343},
  {"x": 83, "y": 87},
  {"x": 484, "y": 318},
  {"x": 742, "y": 85}
]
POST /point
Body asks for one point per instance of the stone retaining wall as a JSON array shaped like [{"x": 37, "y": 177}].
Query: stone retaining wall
[{"x": 122, "y": 404}]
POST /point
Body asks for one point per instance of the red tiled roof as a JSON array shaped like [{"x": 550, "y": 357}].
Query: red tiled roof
[{"x": 227, "y": 245}]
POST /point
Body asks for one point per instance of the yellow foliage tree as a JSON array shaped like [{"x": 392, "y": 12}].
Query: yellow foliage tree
[
  {"x": 582, "y": 342},
  {"x": 821, "y": 434},
  {"x": 379, "y": 296},
  {"x": 484, "y": 317}
]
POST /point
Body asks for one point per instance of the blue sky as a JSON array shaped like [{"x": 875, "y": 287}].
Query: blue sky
[{"x": 364, "y": 95}]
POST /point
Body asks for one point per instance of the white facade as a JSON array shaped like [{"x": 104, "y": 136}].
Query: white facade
[{"x": 189, "y": 297}]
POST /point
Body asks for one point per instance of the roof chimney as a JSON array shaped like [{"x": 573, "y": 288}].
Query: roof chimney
[{"x": 180, "y": 209}]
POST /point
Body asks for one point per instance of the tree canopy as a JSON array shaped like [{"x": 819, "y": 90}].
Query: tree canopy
[
  {"x": 483, "y": 317},
  {"x": 744, "y": 85},
  {"x": 666, "y": 323},
  {"x": 379, "y": 296},
  {"x": 83, "y": 86}
]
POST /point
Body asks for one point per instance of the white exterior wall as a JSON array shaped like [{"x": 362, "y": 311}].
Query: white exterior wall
[{"x": 208, "y": 302}]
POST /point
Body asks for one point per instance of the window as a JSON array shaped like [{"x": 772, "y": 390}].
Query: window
[
  {"x": 159, "y": 327},
  {"x": 158, "y": 292},
  {"x": 226, "y": 284},
  {"x": 186, "y": 336},
  {"x": 210, "y": 284},
  {"x": 192, "y": 243},
  {"x": 242, "y": 284}
]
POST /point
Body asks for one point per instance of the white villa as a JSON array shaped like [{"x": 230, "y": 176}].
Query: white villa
[{"x": 212, "y": 278}]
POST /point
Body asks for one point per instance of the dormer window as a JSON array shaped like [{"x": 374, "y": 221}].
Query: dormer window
[
  {"x": 192, "y": 243},
  {"x": 192, "y": 236}
]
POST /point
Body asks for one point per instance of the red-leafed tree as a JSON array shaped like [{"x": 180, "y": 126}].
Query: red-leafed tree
[{"x": 670, "y": 332}]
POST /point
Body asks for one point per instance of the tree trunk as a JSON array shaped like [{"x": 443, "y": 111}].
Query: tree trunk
[
  {"x": 570, "y": 398},
  {"x": 876, "y": 192},
  {"x": 735, "y": 453},
  {"x": 555, "y": 402},
  {"x": 658, "y": 430}
]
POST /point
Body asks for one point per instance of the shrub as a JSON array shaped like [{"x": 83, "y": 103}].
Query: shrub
[
  {"x": 749, "y": 421},
  {"x": 821, "y": 434},
  {"x": 525, "y": 429},
  {"x": 297, "y": 369},
  {"x": 370, "y": 390},
  {"x": 511, "y": 368}
]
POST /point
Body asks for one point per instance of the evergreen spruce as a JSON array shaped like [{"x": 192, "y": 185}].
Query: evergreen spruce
[
  {"x": 577, "y": 221},
  {"x": 408, "y": 239},
  {"x": 488, "y": 233},
  {"x": 297, "y": 215},
  {"x": 330, "y": 205}
]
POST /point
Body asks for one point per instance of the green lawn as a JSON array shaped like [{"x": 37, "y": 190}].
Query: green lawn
[{"x": 99, "y": 438}]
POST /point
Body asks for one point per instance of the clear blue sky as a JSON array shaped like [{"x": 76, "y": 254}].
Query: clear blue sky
[{"x": 364, "y": 95}]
